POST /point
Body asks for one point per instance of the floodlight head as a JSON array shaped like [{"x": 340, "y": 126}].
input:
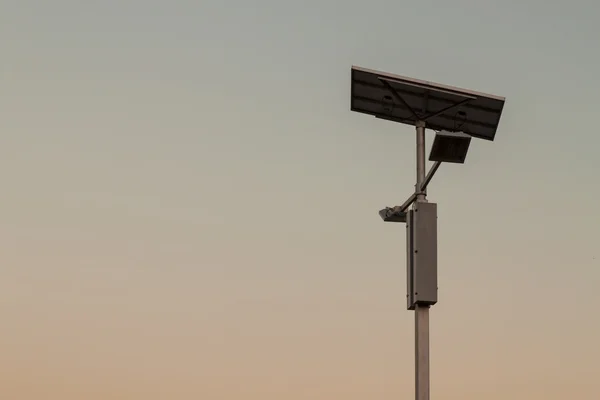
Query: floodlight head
[
  {"x": 391, "y": 215},
  {"x": 450, "y": 147}
]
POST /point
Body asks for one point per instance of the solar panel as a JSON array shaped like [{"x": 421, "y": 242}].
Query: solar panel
[{"x": 406, "y": 100}]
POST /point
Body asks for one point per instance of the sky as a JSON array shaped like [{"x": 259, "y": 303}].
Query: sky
[{"x": 189, "y": 207}]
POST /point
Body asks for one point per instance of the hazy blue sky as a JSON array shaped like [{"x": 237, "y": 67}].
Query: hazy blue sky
[{"x": 189, "y": 208}]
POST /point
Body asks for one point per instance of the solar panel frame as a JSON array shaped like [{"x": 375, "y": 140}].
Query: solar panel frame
[{"x": 477, "y": 115}]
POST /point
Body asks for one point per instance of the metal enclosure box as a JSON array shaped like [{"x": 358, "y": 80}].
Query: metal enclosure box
[{"x": 421, "y": 252}]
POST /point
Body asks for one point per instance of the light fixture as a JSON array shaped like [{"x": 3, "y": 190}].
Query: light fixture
[{"x": 450, "y": 147}]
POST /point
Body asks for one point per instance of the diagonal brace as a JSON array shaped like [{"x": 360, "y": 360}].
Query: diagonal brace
[
  {"x": 399, "y": 98},
  {"x": 450, "y": 107},
  {"x": 429, "y": 176}
]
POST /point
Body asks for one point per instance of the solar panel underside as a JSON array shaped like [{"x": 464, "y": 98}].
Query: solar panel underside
[{"x": 478, "y": 115}]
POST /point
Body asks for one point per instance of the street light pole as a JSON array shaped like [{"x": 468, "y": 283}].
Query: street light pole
[
  {"x": 456, "y": 115},
  {"x": 421, "y": 311}
]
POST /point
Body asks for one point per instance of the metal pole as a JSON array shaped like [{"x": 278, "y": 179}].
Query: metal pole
[
  {"x": 421, "y": 312},
  {"x": 421, "y": 352},
  {"x": 420, "y": 160}
]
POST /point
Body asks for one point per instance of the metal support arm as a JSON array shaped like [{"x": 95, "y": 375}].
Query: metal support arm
[
  {"x": 398, "y": 210},
  {"x": 429, "y": 176}
]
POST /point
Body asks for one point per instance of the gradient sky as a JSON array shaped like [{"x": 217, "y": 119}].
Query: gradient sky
[{"x": 189, "y": 208}]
